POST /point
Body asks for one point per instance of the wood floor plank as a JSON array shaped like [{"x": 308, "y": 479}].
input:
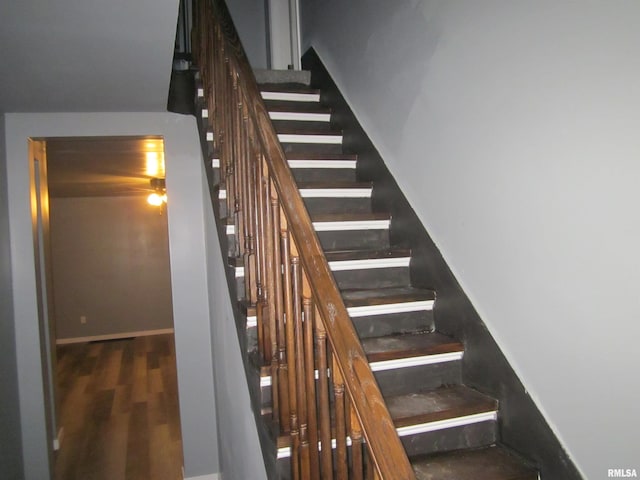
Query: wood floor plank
[
  {"x": 115, "y": 446},
  {"x": 122, "y": 400},
  {"x": 119, "y": 410},
  {"x": 161, "y": 467},
  {"x": 138, "y": 464}
]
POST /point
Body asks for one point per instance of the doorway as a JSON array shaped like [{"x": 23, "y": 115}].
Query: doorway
[{"x": 110, "y": 321}]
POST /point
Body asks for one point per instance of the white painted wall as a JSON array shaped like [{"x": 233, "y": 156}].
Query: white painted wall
[
  {"x": 513, "y": 129},
  {"x": 188, "y": 274},
  {"x": 279, "y": 30}
]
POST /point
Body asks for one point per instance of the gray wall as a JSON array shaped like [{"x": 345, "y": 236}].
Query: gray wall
[
  {"x": 10, "y": 440},
  {"x": 512, "y": 128},
  {"x": 110, "y": 258},
  {"x": 86, "y": 55},
  {"x": 249, "y": 18},
  {"x": 236, "y": 425},
  {"x": 188, "y": 275}
]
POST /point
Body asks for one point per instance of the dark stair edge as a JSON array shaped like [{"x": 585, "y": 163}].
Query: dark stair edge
[
  {"x": 495, "y": 462},
  {"x": 320, "y": 156},
  {"x": 309, "y": 107},
  {"x": 287, "y": 88}
]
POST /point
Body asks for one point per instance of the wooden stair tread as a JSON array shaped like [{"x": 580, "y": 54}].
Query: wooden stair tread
[
  {"x": 490, "y": 463},
  {"x": 407, "y": 345},
  {"x": 442, "y": 403},
  {"x": 363, "y": 254},
  {"x": 381, "y": 296}
]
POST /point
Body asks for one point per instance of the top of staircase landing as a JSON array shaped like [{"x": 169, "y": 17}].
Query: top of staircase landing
[{"x": 300, "y": 77}]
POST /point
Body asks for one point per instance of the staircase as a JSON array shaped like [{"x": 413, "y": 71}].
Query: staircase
[
  {"x": 356, "y": 368},
  {"x": 448, "y": 430}
]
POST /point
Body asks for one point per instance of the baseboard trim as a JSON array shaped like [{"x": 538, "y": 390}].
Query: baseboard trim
[
  {"x": 211, "y": 476},
  {"x": 57, "y": 442},
  {"x": 113, "y": 336}
]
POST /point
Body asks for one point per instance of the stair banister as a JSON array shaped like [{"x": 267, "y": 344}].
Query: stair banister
[{"x": 288, "y": 280}]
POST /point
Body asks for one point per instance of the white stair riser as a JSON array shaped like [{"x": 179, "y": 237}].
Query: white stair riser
[
  {"x": 308, "y": 164},
  {"x": 373, "y": 310},
  {"x": 291, "y": 97},
  {"x": 300, "y": 116},
  {"x": 315, "y": 139},
  {"x": 265, "y": 381},
  {"x": 491, "y": 416}
]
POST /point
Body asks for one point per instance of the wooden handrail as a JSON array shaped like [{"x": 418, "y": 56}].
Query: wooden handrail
[{"x": 288, "y": 280}]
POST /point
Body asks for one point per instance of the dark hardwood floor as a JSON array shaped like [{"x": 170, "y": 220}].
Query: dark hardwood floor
[{"x": 118, "y": 404}]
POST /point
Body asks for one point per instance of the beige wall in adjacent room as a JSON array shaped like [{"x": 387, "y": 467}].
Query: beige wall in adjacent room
[{"x": 111, "y": 265}]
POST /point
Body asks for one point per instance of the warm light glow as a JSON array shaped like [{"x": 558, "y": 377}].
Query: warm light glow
[
  {"x": 155, "y": 164},
  {"x": 155, "y": 199}
]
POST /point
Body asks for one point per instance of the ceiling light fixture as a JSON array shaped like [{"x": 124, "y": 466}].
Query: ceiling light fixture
[{"x": 159, "y": 195}]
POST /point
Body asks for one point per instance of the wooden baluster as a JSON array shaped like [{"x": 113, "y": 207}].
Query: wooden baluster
[
  {"x": 227, "y": 134},
  {"x": 248, "y": 204},
  {"x": 223, "y": 124},
  {"x": 271, "y": 264},
  {"x": 341, "y": 433},
  {"x": 355, "y": 432},
  {"x": 225, "y": 129},
  {"x": 282, "y": 379},
  {"x": 301, "y": 373},
  {"x": 215, "y": 85},
  {"x": 233, "y": 188},
  {"x": 310, "y": 386},
  {"x": 259, "y": 199},
  {"x": 263, "y": 232},
  {"x": 255, "y": 242},
  {"x": 208, "y": 75},
  {"x": 209, "y": 70},
  {"x": 241, "y": 203},
  {"x": 294, "y": 432},
  {"x": 324, "y": 399},
  {"x": 368, "y": 466}
]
